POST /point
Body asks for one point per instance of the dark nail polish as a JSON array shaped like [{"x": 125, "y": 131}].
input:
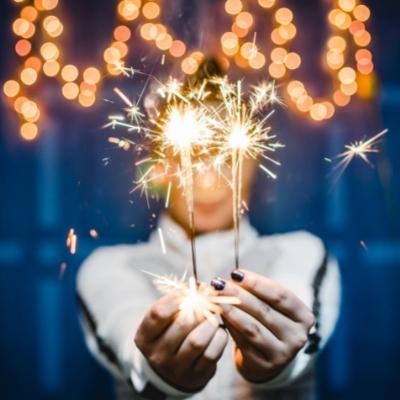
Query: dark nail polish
[
  {"x": 218, "y": 284},
  {"x": 237, "y": 275}
]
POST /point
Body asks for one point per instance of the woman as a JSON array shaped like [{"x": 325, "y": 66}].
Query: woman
[{"x": 266, "y": 346}]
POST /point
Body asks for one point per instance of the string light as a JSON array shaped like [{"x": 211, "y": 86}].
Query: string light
[
  {"x": 11, "y": 88},
  {"x": 352, "y": 73}
]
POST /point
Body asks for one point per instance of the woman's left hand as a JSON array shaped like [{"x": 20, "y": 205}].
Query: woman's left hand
[{"x": 270, "y": 325}]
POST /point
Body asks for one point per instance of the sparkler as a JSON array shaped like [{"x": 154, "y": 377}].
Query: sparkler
[
  {"x": 185, "y": 129},
  {"x": 244, "y": 135},
  {"x": 359, "y": 149},
  {"x": 198, "y": 300},
  {"x": 182, "y": 131}
]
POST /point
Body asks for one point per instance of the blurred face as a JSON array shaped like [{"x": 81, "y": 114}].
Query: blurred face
[{"x": 212, "y": 199}]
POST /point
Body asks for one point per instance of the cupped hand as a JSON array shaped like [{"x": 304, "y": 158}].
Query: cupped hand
[
  {"x": 269, "y": 326},
  {"x": 183, "y": 352}
]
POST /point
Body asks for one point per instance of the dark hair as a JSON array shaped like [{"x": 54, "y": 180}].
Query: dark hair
[{"x": 210, "y": 67}]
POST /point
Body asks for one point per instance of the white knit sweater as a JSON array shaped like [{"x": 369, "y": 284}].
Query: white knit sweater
[{"x": 115, "y": 294}]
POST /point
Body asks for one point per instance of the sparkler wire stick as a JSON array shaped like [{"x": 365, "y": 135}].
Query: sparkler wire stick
[
  {"x": 236, "y": 167},
  {"x": 244, "y": 135},
  {"x": 193, "y": 247},
  {"x": 237, "y": 160},
  {"x": 187, "y": 167}
]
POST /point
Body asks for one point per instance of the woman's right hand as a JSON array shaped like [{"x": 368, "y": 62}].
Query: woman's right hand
[{"x": 184, "y": 353}]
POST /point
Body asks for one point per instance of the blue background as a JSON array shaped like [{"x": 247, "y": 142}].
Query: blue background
[{"x": 59, "y": 181}]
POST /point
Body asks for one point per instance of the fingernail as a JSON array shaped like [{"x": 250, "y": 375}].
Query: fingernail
[
  {"x": 218, "y": 284},
  {"x": 237, "y": 275}
]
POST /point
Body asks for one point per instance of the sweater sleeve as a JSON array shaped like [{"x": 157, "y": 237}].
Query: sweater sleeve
[
  {"x": 325, "y": 294},
  {"x": 113, "y": 296}
]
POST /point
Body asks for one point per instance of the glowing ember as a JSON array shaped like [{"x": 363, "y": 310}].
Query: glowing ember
[
  {"x": 63, "y": 267},
  {"x": 93, "y": 233},
  {"x": 72, "y": 241}
]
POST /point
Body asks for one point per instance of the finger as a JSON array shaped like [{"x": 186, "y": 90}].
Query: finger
[
  {"x": 280, "y": 325},
  {"x": 175, "y": 334},
  {"x": 274, "y": 294},
  {"x": 196, "y": 343},
  {"x": 247, "y": 355},
  {"x": 251, "y": 330},
  {"x": 158, "y": 318},
  {"x": 214, "y": 350}
]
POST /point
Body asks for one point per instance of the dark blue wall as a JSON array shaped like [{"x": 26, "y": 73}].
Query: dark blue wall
[{"x": 60, "y": 181}]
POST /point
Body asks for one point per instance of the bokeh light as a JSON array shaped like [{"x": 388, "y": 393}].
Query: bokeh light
[
  {"x": 189, "y": 65},
  {"x": 244, "y": 20},
  {"x": 362, "y": 12},
  {"x": 266, "y": 3},
  {"x": 318, "y": 111},
  {"x": 51, "y": 68},
  {"x": 53, "y": 26},
  {"x": 33, "y": 62},
  {"x": 347, "y": 5},
  {"x": 151, "y": 10},
  {"x": 347, "y": 75},
  {"x": 293, "y": 61},
  {"x": 283, "y": 16},
  {"x": 29, "y": 131},
  {"x": 28, "y": 76},
  {"x": 276, "y": 70},
  {"x": 23, "y": 47},
  {"x": 49, "y": 51},
  {"x": 70, "y": 90},
  {"x": 122, "y": 33},
  {"x": 258, "y": 61},
  {"x": 11, "y": 88},
  {"x": 164, "y": 41},
  {"x": 86, "y": 100},
  {"x": 29, "y": 13},
  {"x": 233, "y": 7},
  {"x": 129, "y": 9},
  {"x": 91, "y": 75},
  {"x": 69, "y": 73},
  {"x": 177, "y": 49}
]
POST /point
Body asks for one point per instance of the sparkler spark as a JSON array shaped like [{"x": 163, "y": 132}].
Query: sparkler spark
[
  {"x": 61, "y": 272},
  {"x": 121, "y": 143},
  {"x": 72, "y": 241},
  {"x": 94, "y": 234},
  {"x": 197, "y": 300},
  {"x": 359, "y": 149},
  {"x": 162, "y": 241}
]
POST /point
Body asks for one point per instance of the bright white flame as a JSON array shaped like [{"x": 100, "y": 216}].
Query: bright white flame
[
  {"x": 183, "y": 129},
  {"x": 238, "y": 138}
]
